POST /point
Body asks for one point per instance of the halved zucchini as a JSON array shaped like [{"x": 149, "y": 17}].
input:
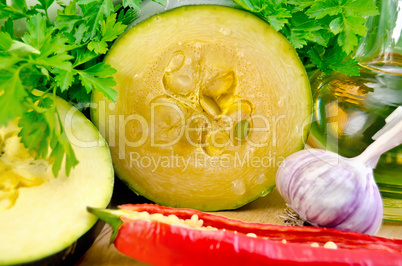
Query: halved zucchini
[
  {"x": 211, "y": 100},
  {"x": 44, "y": 218}
]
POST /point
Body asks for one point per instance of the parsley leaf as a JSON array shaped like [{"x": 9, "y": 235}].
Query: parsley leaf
[
  {"x": 8, "y": 27},
  {"x": 12, "y": 96},
  {"x": 16, "y": 10},
  {"x": 33, "y": 132},
  {"x": 360, "y": 8},
  {"x": 61, "y": 146},
  {"x": 333, "y": 59},
  {"x": 277, "y": 16},
  {"x": 99, "y": 47},
  {"x": 348, "y": 19},
  {"x": 304, "y": 31},
  {"x": 134, "y": 4},
  {"x": 63, "y": 78},
  {"x": 99, "y": 77},
  {"x": 317, "y": 28},
  {"x": 110, "y": 29},
  {"x": 348, "y": 29},
  {"x": 320, "y": 9},
  {"x": 5, "y": 41},
  {"x": 94, "y": 12},
  {"x": 251, "y": 5},
  {"x": 63, "y": 57}
]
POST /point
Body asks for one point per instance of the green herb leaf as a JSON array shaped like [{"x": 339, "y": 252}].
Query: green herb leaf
[
  {"x": 63, "y": 78},
  {"x": 348, "y": 29},
  {"x": 277, "y": 17},
  {"x": 62, "y": 147},
  {"x": 19, "y": 4},
  {"x": 161, "y": 2},
  {"x": 45, "y": 4},
  {"x": 360, "y": 8},
  {"x": 37, "y": 31},
  {"x": 253, "y": 6},
  {"x": 16, "y": 10},
  {"x": 98, "y": 47},
  {"x": 110, "y": 29},
  {"x": 300, "y": 5},
  {"x": 99, "y": 77},
  {"x": 22, "y": 49},
  {"x": 348, "y": 67},
  {"x": 63, "y": 57},
  {"x": 94, "y": 12},
  {"x": 126, "y": 17},
  {"x": 134, "y": 4},
  {"x": 320, "y": 9},
  {"x": 77, "y": 94},
  {"x": 8, "y": 27},
  {"x": 12, "y": 96},
  {"x": 304, "y": 31},
  {"x": 333, "y": 59},
  {"x": 315, "y": 27},
  {"x": 5, "y": 41},
  {"x": 35, "y": 128}
]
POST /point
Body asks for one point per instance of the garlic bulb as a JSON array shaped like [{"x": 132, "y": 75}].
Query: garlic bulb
[{"x": 328, "y": 190}]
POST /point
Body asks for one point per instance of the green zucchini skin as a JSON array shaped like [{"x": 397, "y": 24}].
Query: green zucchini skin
[{"x": 74, "y": 253}]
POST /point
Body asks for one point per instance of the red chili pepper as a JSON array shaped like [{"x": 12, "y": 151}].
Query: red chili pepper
[{"x": 161, "y": 243}]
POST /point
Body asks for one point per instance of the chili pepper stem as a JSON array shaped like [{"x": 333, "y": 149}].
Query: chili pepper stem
[
  {"x": 386, "y": 138},
  {"x": 112, "y": 217}
]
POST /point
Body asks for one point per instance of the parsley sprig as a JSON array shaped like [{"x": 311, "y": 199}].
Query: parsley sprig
[
  {"x": 64, "y": 58},
  {"x": 63, "y": 55},
  {"x": 325, "y": 32}
]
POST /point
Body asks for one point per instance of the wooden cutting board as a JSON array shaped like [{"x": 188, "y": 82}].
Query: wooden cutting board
[{"x": 264, "y": 210}]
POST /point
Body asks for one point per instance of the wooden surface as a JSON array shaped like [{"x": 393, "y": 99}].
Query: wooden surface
[{"x": 263, "y": 210}]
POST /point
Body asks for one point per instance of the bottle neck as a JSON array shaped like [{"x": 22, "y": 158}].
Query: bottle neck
[{"x": 381, "y": 47}]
